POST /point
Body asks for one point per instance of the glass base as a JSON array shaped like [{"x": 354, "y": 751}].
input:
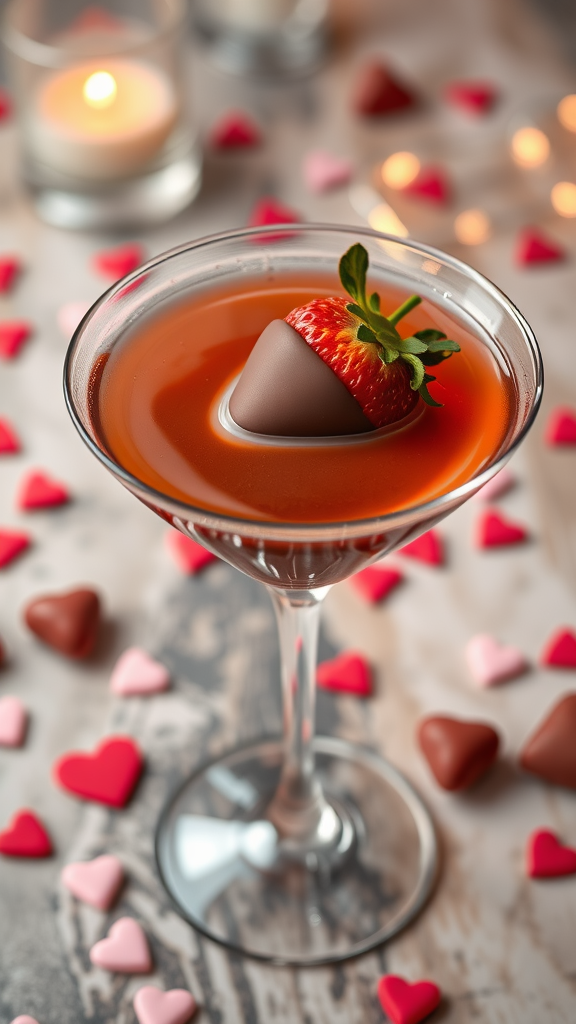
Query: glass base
[
  {"x": 233, "y": 878},
  {"x": 137, "y": 202}
]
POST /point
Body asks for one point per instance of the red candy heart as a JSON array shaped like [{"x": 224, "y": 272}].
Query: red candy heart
[
  {"x": 5, "y": 104},
  {"x": 116, "y": 263},
  {"x": 534, "y": 247},
  {"x": 235, "y": 130},
  {"x": 10, "y": 267},
  {"x": 13, "y": 334},
  {"x": 405, "y": 1003},
  {"x": 12, "y": 544},
  {"x": 472, "y": 97},
  {"x": 269, "y": 211},
  {"x": 108, "y": 776},
  {"x": 546, "y": 857},
  {"x": 429, "y": 184},
  {"x": 561, "y": 427},
  {"x": 348, "y": 673},
  {"x": 25, "y": 837},
  {"x": 560, "y": 650},
  {"x": 190, "y": 556},
  {"x": 9, "y": 442},
  {"x": 39, "y": 491},
  {"x": 427, "y": 548},
  {"x": 494, "y": 531},
  {"x": 375, "y": 583},
  {"x": 377, "y": 91}
]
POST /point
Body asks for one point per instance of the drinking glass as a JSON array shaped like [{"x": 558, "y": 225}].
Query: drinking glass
[{"x": 305, "y": 849}]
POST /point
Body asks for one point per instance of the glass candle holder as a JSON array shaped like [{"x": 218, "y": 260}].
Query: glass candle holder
[
  {"x": 277, "y": 38},
  {"x": 101, "y": 98}
]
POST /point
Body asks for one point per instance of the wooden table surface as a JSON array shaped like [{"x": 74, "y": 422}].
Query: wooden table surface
[{"x": 500, "y": 946}]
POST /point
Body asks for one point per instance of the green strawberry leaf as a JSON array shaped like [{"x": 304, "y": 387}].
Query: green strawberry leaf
[
  {"x": 352, "y": 268},
  {"x": 443, "y": 345},
  {"x": 412, "y": 345},
  {"x": 425, "y": 394},
  {"x": 356, "y": 310},
  {"x": 365, "y": 334},
  {"x": 405, "y": 308},
  {"x": 374, "y": 302},
  {"x": 388, "y": 355},
  {"x": 417, "y": 370},
  {"x": 429, "y": 334}
]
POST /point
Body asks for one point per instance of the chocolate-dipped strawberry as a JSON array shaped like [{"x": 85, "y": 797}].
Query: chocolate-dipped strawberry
[{"x": 337, "y": 367}]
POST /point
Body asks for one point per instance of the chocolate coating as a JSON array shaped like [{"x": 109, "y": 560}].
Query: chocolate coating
[
  {"x": 286, "y": 390},
  {"x": 551, "y": 751},
  {"x": 67, "y": 622},
  {"x": 458, "y": 752}
]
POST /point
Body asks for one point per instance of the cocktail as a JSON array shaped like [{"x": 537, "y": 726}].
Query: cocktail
[{"x": 300, "y": 850}]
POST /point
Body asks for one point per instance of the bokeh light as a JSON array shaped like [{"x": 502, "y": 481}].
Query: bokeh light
[
  {"x": 563, "y": 197},
  {"x": 382, "y": 218},
  {"x": 100, "y": 89},
  {"x": 400, "y": 169},
  {"x": 566, "y": 111},
  {"x": 472, "y": 227},
  {"x": 530, "y": 147}
]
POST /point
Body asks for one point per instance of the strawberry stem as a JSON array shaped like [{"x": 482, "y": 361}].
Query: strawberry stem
[{"x": 424, "y": 348}]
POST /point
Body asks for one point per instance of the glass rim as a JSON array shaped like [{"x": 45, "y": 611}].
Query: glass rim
[
  {"x": 48, "y": 56},
  {"x": 302, "y": 531}
]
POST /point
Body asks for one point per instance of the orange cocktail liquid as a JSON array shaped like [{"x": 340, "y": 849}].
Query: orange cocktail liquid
[{"x": 154, "y": 402}]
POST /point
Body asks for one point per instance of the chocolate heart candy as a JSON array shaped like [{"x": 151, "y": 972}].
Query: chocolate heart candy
[
  {"x": 551, "y": 752},
  {"x": 67, "y": 622},
  {"x": 458, "y": 752}
]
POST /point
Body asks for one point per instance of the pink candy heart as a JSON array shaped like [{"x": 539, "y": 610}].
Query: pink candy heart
[
  {"x": 431, "y": 185},
  {"x": 497, "y": 486},
  {"x": 493, "y": 530},
  {"x": 125, "y": 949},
  {"x": 534, "y": 247},
  {"x": 561, "y": 427},
  {"x": 472, "y": 97},
  {"x": 375, "y": 582},
  {"x": 546, "y": 857},
  {"x": 187, "y": 553},
  {"x": 12, "y": 544},
  {"x": 95, "y": 881},
  {"x": 13, "y": 334},
  {"x": 13, "y": 722},
  {"x": 560, "y": 650},
  {"x": 69, "y": 316},
  {"x": 490, "y": 662},
  {"x": 152, "y": 1006},
  {"x": 24, "y": 1019},
  {"x": 136, "y": 672},
  {"x": 116, "y": 263},
  {"x": 10, "y": 268},
  {"x": 427, "y": 548},
  {"x": 9, "y": 443},
  {"x": 347, "y": 673},
  {"x": 38, "y": 490},
  {"x": 322, "y": 171}
]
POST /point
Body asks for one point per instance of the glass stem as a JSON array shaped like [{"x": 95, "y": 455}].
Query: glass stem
[{"x": 299, "y": 810}]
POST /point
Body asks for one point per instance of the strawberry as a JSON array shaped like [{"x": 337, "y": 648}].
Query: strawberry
[{"x": 384, "y": 372}]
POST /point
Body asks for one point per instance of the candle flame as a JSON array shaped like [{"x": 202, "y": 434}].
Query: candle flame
[{"x": 100, "y": 90}]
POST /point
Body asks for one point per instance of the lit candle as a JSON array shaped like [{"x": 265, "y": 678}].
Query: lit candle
[{"x": 102, "y": 121}]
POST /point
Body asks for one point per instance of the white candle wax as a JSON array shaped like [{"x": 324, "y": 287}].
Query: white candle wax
[{"x": 102, "y": 121}]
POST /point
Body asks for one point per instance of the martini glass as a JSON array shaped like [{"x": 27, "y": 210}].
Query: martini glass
[{"x": 301, "y": 849}]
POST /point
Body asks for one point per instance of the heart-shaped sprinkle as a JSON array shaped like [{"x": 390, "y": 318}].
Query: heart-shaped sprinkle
[
  {"x": 95, "y": 881},
  {"x": 152, "y": 1006},
  {"x": 375, "y": 582},
  {"x": 347, "y": 673},
  {"x": 12, "y": 544},
  {"x": 13, "y": 334},
  {"x": 5, "y": 104},
  {"x": 427, "y": 548},
  {"x": 125, "y": 949},
  {"x": 533, "y": 247},
  {"x": 457, "y": 752},
  {"x": 560, "y": 650},
  {"x": 471, "y": 97},
  {"x": 493, "y": 530},
  {"x": 24, "y": 1019},
  {"x": 67, "y": 622},
  {"x": 270, "y": 211},
  {"x": 69, "y": 316},
  {"x": 406, "y": 1003},
  {"x": 235, "y": 130},
  {"x": 550, "y": 752},
  {"x": 322, "y": 171},
  {"x": 136, "y": 672},
  {"x": 108, "y": 776},
  {"x": 10, "y": 267},
  {"x": 190, "y": 556},
  {"x": 38, "y": 490},
  {"x": 561, "y": 427},
  {"x": 13, "y": 721},
  {"x": 500, "y": 484},
  {"x": 9, "y": 443},
  {"x": 25, "y": 837},
  {"x": 377, "y": 91},
  {"x": 431, "y": 185},
  {"x": 546, "y": 857},
  {"x": 491, "y": 662},
  {"x": 116, "y": 263}
]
